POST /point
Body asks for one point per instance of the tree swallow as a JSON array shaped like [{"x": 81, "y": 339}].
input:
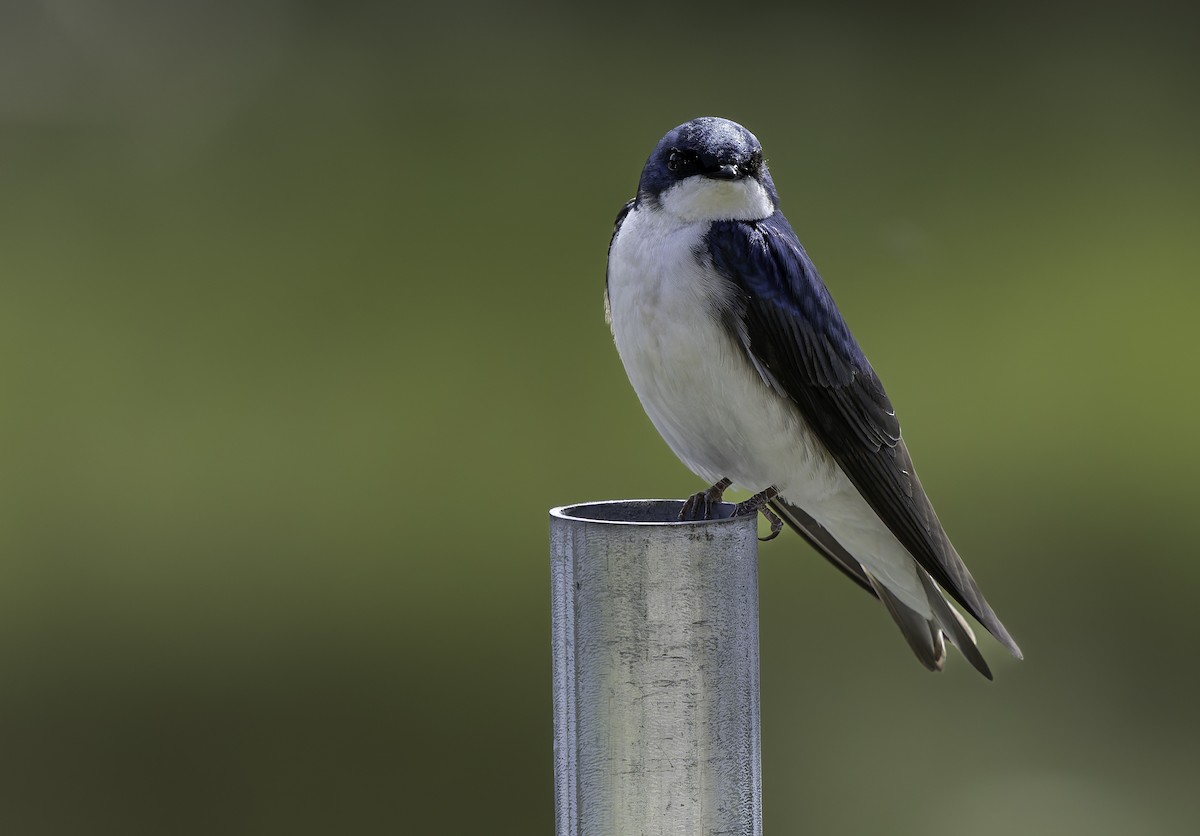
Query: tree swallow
[{"x": 745, "y": 366}]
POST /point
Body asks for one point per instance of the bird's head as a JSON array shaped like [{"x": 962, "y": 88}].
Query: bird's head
[{"x": 709, "y": 169}]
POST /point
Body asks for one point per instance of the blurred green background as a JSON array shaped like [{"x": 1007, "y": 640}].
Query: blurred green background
[{"x": 300, "y": 311}]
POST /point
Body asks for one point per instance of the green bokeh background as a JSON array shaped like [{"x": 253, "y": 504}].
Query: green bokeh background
[{"x": 301, "y": 335}]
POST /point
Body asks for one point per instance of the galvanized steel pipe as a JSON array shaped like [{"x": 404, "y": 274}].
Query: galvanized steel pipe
[{"x": 656, "y": 697}]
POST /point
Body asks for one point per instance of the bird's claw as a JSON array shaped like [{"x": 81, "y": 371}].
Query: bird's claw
[
  {"x": 699, "y": 506},
  {"x": 758, "y": 504}
]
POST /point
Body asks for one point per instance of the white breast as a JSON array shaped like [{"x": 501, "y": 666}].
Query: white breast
[
  {"x": 692, "y": 378},
  {"x": 708, "y": 402}
]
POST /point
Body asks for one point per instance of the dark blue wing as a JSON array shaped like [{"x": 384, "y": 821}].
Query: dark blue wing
[{"x": 796, "y": 336}]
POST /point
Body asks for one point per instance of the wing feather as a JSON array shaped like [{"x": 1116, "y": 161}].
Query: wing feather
[{"x": 793, "y": 330}]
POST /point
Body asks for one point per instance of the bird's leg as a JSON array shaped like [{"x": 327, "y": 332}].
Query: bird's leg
[
  {"x": 758, "y": 503},
  {"x": 699, "y": 505}
]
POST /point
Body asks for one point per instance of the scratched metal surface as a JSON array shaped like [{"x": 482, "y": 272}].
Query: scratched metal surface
[{"x": 656, "y": 689}]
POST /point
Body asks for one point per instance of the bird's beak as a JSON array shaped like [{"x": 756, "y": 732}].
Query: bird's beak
[{"x": 724, "y": 172}]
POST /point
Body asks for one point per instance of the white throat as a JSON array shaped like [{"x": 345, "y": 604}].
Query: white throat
[{"x": 704, "y": 199}]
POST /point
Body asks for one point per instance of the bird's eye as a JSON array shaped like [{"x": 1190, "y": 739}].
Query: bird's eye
[{"x": 681, "y": 162}]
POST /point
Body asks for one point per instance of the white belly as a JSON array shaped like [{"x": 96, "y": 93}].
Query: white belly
[
  {"x": 693, "y": 379},
  {"x": 711, "y": 405}
]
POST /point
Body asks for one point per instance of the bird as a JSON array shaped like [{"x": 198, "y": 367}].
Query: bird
[{"x": 749, "y": 372}]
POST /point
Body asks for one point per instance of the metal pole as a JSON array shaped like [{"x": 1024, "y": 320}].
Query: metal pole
[{"x": 655, "y": 623}]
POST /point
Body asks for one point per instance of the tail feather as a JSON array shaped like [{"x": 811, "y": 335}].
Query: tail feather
[
  {"x": 820, "y": 539},
  {"x": 935, "y": 553},
  {"x": 953, "y": 625},
  {"x": 923, "y": 634}
]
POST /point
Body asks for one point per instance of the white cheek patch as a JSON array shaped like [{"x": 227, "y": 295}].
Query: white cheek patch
[{"x": 703, "y": 199}]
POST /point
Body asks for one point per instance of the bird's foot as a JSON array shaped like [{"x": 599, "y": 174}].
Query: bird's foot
[
  {"x": 699, "y": 506},
  {"x": 758, "y": 504}
]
